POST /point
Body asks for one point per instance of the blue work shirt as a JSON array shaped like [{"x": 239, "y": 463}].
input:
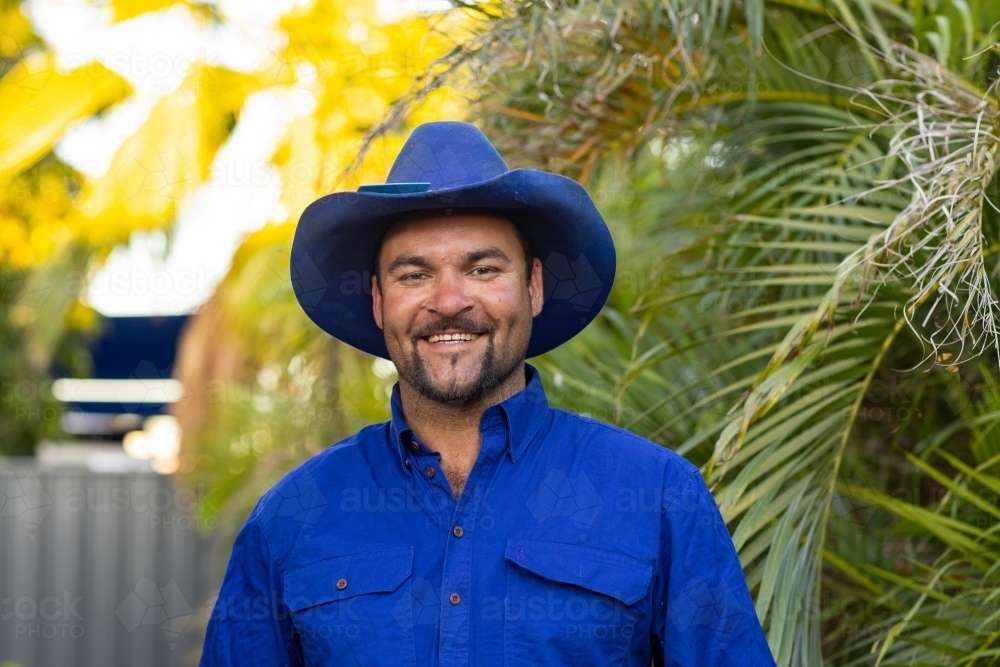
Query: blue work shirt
[{"x": 572, "y": 543}]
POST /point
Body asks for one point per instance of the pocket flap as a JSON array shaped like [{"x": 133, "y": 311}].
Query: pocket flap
[
  {"x": 621, "y": 577},
  {"x": 346, "y": 576}
]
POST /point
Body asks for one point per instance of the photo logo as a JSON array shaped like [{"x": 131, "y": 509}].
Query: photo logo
[
  {"x": 149, "y": 387},
  {"x": 164, "y": 607},
  {"x": 706, "y": 604},
  {"x": 24, "y": 498},
  {"x": 575, "y": 281},
  {"x": 560, "y": 496},
  {"x": 299, "y": 498},
  {"x": 421, "y": 607}
]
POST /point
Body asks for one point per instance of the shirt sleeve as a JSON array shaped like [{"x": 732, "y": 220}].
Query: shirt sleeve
[
  {"x": 704, "y": 615},
  {"x": 250, "y": 624}
]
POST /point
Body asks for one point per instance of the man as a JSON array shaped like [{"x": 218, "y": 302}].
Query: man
[{"x": 478, "y": 526}]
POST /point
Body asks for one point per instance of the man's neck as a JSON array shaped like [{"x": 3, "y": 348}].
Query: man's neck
[{"x": 452, "y": 429}]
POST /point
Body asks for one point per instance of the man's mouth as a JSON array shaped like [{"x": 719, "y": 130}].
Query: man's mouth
[{"x": 452, "y": 337}]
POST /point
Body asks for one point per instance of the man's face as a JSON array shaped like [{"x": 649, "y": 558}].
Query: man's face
[{"x": 455, "y": 303}]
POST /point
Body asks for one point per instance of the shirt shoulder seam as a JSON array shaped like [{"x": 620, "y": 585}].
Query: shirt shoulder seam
[
  {"x": 629, "y": 434},
  {"x": 254, "y": 519},
  {"x": 611, "y": 427},
  {"x": 691, "y": 474}
]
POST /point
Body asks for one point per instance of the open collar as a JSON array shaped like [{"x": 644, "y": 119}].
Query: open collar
[{"x": 523, "y": 414}]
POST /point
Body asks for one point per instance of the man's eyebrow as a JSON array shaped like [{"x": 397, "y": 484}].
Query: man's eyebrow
[
  {"x": 470, "y": 257},
  {"x": 408, "y": 260},
  {"x": 486, "y": 253}
]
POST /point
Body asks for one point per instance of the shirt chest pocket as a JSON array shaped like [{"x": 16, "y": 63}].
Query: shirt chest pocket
[
  {"x": 571, "y": 605},
  {"x": 355, "y": 609}
]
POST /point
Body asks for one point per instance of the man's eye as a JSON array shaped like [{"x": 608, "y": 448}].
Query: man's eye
[
  {"x": 416, "y": 275},
  {"x": 483, "y": 270}
]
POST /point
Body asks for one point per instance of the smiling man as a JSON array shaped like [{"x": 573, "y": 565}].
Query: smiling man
[
  {"x": 478, "y": 526},
  {"x": 457, "y": 319}
]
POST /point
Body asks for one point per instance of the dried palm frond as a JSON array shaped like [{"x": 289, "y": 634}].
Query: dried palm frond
[{"x": 946, "y": 133}]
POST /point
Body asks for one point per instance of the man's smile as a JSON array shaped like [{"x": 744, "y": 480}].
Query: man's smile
[{"x": 453, "y": 339}]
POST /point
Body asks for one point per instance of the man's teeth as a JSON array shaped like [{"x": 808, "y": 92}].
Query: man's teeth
[{"x": 444, "y": 338}]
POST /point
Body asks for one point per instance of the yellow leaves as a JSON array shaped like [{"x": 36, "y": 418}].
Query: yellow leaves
[
  {"x": 362, "y": 66},
  {"x": 354, "y": 66},
  {"x": 16, "y": 35},
  {"x": 33, "y": 206},
  {"x": 40, "y": 103},
  {"x": 14, "y": 247},
  {"x": 298, "y": 160},
  {"x": 80, "y": 317},
  {"x": 367, "y": 105},
  {"x": 441, "y": 104},
  {"x": 149, "y": 174},
  {"x": 126, "y": 9},
  {"x": 220, "y": 94},
  {"x": 161, "y": 163}
]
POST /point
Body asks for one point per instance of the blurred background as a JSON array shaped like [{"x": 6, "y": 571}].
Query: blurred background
[
  {"x": 803, "y": 196},
  {"x": 157, "y": 373}
]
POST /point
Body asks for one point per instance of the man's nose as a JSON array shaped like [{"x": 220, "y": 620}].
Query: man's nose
[{"x": 449, "y": 297}]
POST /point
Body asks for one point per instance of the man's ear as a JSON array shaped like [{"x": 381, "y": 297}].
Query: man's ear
[
  {"x": 536, "y": 290},
  {"x": 376, "y": 302}
]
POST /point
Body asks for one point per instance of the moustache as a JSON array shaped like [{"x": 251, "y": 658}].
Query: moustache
[{"x": 446, "y": 324}]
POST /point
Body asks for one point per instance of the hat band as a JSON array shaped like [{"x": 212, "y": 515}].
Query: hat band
[{"x": 395, "y": 188}]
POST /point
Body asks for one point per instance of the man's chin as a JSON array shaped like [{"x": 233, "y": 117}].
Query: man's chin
[
  {"x": 450, "y": 384},
  {"x": 452, "y": 389}
]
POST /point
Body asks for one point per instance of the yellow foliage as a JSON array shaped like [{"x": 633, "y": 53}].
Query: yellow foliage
[
  {"x": 81, "y": 317},
  {"x": 33, "y": 208},
  {"x": 148, "y": 176},
  {"x": 40, "y": 103},
  {"x": 16, "y": 35},
  {"x": 299, "y": 162},
  {"x": 126, "y": 9},
  {"x": 163, "y": 162},
  {"x": 351, "y": 65},
  {"x": 361, "y": 67},
  {"x": 338, "y": 53}
]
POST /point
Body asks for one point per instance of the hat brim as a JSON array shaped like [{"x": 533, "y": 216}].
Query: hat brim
[{"x": 333, "y": 252}]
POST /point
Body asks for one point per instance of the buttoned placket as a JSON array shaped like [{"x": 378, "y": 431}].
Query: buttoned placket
[
  {"x": 424, "y": 464},
  {"x": 456, "y": 580}
]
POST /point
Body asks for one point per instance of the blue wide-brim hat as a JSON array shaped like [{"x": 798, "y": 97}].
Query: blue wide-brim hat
[{"x": 448, "y": 165}]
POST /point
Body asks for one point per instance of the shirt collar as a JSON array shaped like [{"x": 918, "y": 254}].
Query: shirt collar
[{"x": 523, "y": 413}]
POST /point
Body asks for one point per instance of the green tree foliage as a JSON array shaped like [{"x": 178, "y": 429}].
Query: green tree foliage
[{"x": 804, "y": 197}]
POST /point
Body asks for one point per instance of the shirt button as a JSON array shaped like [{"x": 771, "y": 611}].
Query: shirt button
[
  {"x": 414, "y": 445},
  {"x": 430, "y": 471},
  {"x": 341, "y": 583},
  {"x": 454, "y": 598},
  {"x": 458, "y": 531}
]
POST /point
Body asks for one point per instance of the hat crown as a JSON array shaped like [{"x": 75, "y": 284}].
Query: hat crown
[{"x": 446, "y": 154}]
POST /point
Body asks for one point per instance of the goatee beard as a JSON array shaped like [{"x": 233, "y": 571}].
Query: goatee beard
[{"x": 491, "y": 375}]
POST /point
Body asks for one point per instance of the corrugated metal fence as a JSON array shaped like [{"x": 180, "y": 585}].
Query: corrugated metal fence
[{"x": 99, "y": 569}]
